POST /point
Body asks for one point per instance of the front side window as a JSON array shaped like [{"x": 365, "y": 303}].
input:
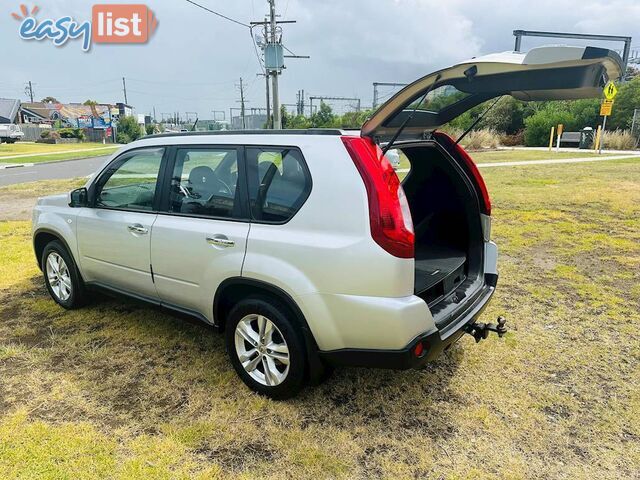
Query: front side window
[
  {"x": 279, "y": 183},
  {"x": 130, "y": 182},
  {"x": 204, "y": 182}
]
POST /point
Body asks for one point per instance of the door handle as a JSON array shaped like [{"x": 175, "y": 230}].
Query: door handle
[
  {"x": 221, "y": 242},
  {"x": 137, "y": 228}
]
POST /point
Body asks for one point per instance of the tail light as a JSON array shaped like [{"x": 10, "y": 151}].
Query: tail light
[
  {"x": 460, "y": 153},
  {"x": 389, "y": 215}
]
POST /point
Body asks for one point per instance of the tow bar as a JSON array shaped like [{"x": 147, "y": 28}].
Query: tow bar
[{"x": 480, "y": 331}]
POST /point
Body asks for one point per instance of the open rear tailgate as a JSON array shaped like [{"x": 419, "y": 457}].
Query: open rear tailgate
[{"x": 544, "y": 73}]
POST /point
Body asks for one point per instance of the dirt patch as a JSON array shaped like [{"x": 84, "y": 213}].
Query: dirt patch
[{"x": 16, "y": 208}]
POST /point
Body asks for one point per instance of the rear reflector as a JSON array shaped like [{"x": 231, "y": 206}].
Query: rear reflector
[
  {"x": 458, "y": 152},
  {"x": 418, "y": 350},
  {"x": 389, "y": 215}
]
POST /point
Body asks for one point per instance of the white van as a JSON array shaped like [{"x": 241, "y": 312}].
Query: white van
[{"x": 10, "y": 133}]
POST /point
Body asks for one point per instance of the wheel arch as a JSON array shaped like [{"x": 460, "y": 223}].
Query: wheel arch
[
  {"x": 235, "y": 289},
  {"x": 42, "y": 237}
]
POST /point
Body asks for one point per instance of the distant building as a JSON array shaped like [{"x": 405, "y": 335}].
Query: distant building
[
  {"x": 124, "y": 109},
  {"x": 9, "y": 110},
  {"x": 253, "y": 121}
]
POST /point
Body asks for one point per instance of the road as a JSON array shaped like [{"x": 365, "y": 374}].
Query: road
[
  {"x": 85, "y": 167},
  {"x": 51, "y": 171}
]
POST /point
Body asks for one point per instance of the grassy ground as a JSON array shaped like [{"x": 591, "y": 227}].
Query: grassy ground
[
  {"x": 35, "y": 151},
  {"x": 490, "y": 156},
  {"x": 120, "y": 390},
  {"x": 520, "y": 155}
]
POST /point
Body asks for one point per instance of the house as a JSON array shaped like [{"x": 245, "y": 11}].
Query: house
[
  {"x": 35, "y": 112},
  {"x": 75, "y": 115},
  {"x": 9, "y": 110}
]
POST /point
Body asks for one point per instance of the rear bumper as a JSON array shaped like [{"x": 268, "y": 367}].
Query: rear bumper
[{"x": 434, "y": 342}]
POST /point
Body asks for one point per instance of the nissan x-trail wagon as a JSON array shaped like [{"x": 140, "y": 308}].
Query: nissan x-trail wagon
[{"x": 304, "y": 247}]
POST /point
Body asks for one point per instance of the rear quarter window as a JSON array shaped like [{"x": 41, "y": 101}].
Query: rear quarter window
[{"x": 279, "y": 183}]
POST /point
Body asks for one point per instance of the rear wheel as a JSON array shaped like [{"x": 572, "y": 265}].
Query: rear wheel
[
  {"x": 61, "y": 276},
  {"x": 265, "y": 349}
]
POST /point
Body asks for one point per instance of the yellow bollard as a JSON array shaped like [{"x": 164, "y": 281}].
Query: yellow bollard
[
  {"x": 596, "y": 142},
  {"x": 553, "y": 129}
]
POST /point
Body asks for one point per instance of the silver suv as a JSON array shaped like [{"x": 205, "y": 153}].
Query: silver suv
[{"x": 305, "y": 247}]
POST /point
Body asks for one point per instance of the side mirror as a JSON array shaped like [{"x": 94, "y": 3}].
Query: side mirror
[{"x": 79, "y": 198}]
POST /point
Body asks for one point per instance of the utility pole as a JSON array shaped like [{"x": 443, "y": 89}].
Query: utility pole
[
  {"x": 244, "y": 125},
  {"x": 277, "y": 122},
  {"x": 124, "y": 88},
  {"x": 266, "y": 78},
  {"x": 154, "y": 114},
  {"x": 29, "y": 90},
  {"x": 273, "y": 51},
  {"x": 268, "y": 101},
  {"x": 300, "y": 102}
]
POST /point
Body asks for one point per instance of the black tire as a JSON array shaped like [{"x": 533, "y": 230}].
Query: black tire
[
  {"x": 286, "y": 324},
  {"x": 78, "y": 295}
]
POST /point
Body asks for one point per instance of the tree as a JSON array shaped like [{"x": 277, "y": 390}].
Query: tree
[
  {"x": 324, "y": 117},
  {"x": 128, "y": 130},
  {"x": 354, "y": 119},
  {"x": 90, "y": 103},
  {"x": 586, "y": 112},
  {"x": 538, "y": 126},
  {"x": 49, "y": 100},
  {"x": 507, "y": 116}
]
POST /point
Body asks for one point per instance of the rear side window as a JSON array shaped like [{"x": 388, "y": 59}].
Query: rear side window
[
  {"x": 279, "y": 183},
  {"x": 204, "y": 182}
]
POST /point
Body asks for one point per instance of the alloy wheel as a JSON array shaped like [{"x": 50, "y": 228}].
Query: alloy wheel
[
  {"x": 58, "y": 276},
  {"x": 262, "y": 350}
]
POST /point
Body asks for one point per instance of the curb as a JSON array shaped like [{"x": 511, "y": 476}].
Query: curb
[{"x": 15, "y": 165}]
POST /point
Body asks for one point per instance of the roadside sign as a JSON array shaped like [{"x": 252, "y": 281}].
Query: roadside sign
[
  {"x": 560, "y": 129},
  {"x": 606, "y": 107},
  {"x": 610, "y": 91}
]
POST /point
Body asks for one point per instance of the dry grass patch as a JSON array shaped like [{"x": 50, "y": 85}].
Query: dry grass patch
[
  {"x": 122, "y": 390},
  {"x": 619, "y": 140},
  {"x": 17, "y": 201}
]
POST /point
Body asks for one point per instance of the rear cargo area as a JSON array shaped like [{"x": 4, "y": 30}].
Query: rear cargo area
[{"x": 446, "y": 218}]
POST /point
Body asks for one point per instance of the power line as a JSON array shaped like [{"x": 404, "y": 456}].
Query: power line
[{"x": 218, "y": 14}]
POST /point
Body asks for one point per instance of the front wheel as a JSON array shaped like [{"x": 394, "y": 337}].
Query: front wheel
[
  {"x": 265, "y": 349},
  {"x": 61, "y": 276}
]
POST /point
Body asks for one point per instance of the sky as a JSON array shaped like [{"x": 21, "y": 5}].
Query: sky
[{"x": 194, "y": 60}]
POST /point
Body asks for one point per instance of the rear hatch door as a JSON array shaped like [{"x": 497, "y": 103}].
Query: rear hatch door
[{"x": 544, "y": 73}]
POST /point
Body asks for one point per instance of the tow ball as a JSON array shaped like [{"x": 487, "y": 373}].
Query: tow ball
[{"x": 480, "y": 331}]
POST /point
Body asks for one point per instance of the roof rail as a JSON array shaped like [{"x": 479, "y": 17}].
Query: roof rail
[{"x": 291, "y": 131}]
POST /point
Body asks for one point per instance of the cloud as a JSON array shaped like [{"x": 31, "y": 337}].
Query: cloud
[{"x": 194, "y": 60}]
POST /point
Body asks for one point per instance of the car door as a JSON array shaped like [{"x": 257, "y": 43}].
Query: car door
[
  {"x": 199, "y": 238},
  {"x": 544, "y": 73},
  {"x": 114, "y": 233}
]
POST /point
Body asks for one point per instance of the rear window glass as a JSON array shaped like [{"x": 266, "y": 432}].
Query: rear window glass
[{"x": 439, "y": 98}]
